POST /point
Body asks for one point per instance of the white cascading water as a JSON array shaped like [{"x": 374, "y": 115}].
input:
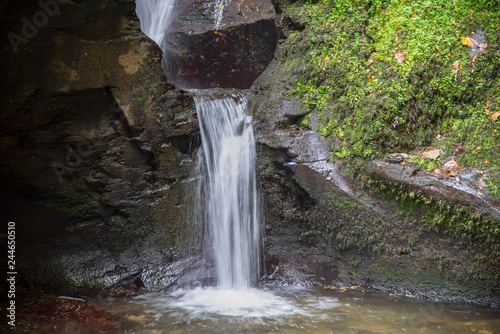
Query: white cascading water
[
  {"x": 227, "y": 194},
  {"x": 219, "y": 10},
  {"x": 155, "y": 17},
  {"x": 228, "y": 188}
]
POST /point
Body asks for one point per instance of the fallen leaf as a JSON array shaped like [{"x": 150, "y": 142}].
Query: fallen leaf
[
  {"x": 453, "y": 22},
  {"x": 456, "y": 65},
  {"x": 437, "y": 172},
  {"x": 480, "y": 180},
  {"x": 495, "y": 116},
  {"x": 399, "y": 55},
  {"x": 466, "y": 41},
  {"x": 432, "y": 153},
  {"x": 451, "y": 164},
  {"x": 473, "y": 43}
]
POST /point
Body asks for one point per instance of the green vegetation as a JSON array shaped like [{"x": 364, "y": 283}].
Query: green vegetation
[
  {"x": 479, "y": 236},
  {"x": 387, "y": 76}
]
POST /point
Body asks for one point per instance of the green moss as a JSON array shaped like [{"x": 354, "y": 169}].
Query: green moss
[
  {"x": 345, "y": 68},
  {"x": 475, "y": 234}
]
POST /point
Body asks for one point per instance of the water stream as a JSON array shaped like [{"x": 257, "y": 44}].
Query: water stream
[
  {"x": 228, "y": 190},
  {"x": 155, "y": 17}
]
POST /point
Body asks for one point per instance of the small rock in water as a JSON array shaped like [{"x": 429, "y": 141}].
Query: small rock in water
[
  {"x": 395, "y": 160},
  {"x": 402, "y": 155}
]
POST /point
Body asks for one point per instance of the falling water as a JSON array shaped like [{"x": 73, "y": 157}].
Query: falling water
[
  {"x": 218, "y": 12},
  {"x": 155, "y": 17},
  {"x": 228, "y": 189},
  {"x": 227, "y": 205}
]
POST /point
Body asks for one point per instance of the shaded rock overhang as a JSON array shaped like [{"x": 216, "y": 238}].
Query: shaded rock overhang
[{"x": 200, "y": 55}]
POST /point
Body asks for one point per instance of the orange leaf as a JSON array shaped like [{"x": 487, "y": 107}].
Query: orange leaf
[
  {"x": 399, "y": 55},
  {"x": 465, "y": 41},
  {"x": 495, "y": 116},
  {"x": 456, "y": 65}
]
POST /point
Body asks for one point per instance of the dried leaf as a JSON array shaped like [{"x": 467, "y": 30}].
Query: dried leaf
[
  {"x": 495, "y": 115},
  {"x": 437, "y": 172},
  {"x": 473, "y": 43},
  {"x": 456, "y": 64},
  {"x": 432, "y": 153},
  {"x": 452, "y": 164},
  {"x": 399, "y": 55}
]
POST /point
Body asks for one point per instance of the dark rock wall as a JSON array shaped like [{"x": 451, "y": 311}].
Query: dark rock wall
[{"x": 95, "y": 145}]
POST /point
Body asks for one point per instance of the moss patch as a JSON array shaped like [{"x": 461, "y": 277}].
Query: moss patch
[
  {"x": 472, "y": 233},
  {"x": 393, "y": 75}
]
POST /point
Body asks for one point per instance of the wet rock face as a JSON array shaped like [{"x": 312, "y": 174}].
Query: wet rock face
[
  {"x": 95, "y": 145},
  {"x": 201, "y": 54}
]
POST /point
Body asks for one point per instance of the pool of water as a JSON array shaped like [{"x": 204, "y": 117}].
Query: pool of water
[{"x": 288, "y": 310}]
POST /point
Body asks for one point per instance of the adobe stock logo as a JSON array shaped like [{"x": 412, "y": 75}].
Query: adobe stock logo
[{"x": 50, "y": 8}]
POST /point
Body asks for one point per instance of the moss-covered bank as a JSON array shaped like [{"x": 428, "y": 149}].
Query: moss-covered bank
[{"x": 385, "y": 76}]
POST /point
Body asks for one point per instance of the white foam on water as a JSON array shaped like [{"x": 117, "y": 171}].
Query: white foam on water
[
  {"x": 236, "y": 304},
  {"x": 233, "y": 303}
]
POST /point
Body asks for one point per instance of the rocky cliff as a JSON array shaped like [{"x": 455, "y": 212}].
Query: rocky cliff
[{"x": 97, "y": 148}]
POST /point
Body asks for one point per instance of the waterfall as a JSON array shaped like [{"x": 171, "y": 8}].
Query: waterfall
[
  {"x": 155, "y": 17},
  {"x": 228, "y": 190}
]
